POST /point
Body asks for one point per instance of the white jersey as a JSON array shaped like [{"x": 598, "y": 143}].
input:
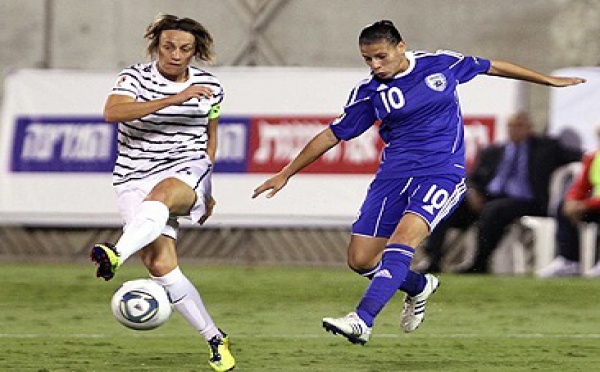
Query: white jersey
[{"x": 169, "y": 137}]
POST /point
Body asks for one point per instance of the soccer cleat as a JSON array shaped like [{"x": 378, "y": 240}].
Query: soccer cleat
[
  {"x": 220, "y": 358},
  {"x": 351, "y": 326},
  {"x": 413, "y": 312},
  {"x": 560, "y": 266},
  {"x": 107, "y": 259},
  {"x": 594, "y": 272},
  {"x": 225, "y": 339}
]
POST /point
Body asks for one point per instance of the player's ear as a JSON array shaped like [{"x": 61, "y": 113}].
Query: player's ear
[{"x": 401, "y": 47}]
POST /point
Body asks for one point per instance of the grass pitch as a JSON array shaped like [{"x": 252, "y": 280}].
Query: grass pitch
[{"x": 57, "y": 318}]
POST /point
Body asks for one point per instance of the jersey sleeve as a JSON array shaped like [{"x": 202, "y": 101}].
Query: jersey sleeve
[
  {"x": 464, "y": 67},
  {"x": 127, "y": 84},
  {"x": 355, "y": 120},
  {"x": 218, "y": 95},
  {"x": 216, "y": 100}
]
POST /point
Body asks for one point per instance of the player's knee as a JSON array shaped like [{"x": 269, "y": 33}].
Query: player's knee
[
  {"x": 360, "y": 263},
  {"x": 159, "y": 196},
  {"x": 159, "y": 266}
]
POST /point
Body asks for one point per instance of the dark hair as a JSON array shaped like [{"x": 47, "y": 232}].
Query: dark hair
[
  {"x": 378, "y": 31},
  {"x": 204, "y": 41}
]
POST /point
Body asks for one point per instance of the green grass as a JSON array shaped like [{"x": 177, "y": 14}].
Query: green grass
[{"x": 57, "y": 318}]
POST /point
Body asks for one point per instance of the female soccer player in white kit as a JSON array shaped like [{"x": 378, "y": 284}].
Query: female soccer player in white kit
[
  {"x": 168, "y": 114},
  {"x": 421, "y": 178}
]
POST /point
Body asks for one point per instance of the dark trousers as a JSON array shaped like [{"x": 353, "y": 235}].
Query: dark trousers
[
  {"x": 567, "y": 234},
  {"x": 497, "y": 215},
  {"x": 462, "y": 218}
]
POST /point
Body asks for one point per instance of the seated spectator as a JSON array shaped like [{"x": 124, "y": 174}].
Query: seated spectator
[
  {"x": 581, "y": 204},
  {"x": 510, "y": 180}
]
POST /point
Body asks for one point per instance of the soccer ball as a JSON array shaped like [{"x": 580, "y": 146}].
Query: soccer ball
[{"x": 141, "y": 304}]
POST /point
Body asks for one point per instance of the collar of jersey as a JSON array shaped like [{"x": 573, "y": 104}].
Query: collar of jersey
[
  {"x": 411, "y": 65},
  {"x": 164, "y": 79}
]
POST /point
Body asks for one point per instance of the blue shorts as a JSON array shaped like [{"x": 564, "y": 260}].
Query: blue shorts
[{"x": 431, "y": 197}]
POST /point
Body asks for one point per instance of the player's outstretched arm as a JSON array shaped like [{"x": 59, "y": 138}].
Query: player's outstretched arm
[
  {"x": 311, "y": 152},
  {"x": 513, "y": 71}
]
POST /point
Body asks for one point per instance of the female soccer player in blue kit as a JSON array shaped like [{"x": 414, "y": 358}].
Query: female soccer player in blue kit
[{"x": 421, "y": 178}]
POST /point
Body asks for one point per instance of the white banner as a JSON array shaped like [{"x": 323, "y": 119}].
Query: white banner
[
  {"x": 56, "y": 151},
  {"x": 575, "y": 111}
]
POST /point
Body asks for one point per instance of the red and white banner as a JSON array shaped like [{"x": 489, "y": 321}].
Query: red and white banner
[{"x": 275, "y": 141}]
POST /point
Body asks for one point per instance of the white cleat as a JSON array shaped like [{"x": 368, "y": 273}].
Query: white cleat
[
  {"x": 351, "y": 326},
  {"x": 413, "y": 312},
  {"x": 594, "y": 272},
  {"x": 559, "y": 267}
]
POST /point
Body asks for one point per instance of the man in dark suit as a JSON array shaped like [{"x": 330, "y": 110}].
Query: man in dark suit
[{"x": 510, "y": 180}]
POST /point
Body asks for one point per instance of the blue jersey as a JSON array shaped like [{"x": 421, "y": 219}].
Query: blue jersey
[{"x": 419, "y": 114}]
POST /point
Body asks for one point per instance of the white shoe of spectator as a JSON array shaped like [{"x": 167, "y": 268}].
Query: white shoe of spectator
[
  {"x": 594, "y": 272},
  {"x": 422, "y": 265},
  {"x": 560, "y": 266}
]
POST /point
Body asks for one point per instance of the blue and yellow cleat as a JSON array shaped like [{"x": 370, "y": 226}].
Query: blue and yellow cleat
[
  {"x": 106, "y": 258},
  {"x": 220, "y": 358}
]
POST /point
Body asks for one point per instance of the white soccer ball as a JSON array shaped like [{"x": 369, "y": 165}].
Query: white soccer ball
[{"x": 141, "y": 304}]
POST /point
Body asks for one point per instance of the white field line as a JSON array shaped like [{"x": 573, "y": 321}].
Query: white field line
[{"x": 305, "y": 336}]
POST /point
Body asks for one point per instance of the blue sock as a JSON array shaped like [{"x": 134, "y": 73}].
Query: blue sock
[
  {"x": 395, "y": 264},
  {"x": 413, "y": 284}
]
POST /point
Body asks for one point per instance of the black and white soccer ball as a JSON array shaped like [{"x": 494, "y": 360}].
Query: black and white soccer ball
[{"x": 141, "y": 304}]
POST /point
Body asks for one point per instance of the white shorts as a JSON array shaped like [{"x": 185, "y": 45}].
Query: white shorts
[{"x": 197, "y": 175}]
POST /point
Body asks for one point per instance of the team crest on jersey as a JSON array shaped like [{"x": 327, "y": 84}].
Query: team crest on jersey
[
  {"x": 436, "y": 82},
  {"x": 121, "y": 81}
]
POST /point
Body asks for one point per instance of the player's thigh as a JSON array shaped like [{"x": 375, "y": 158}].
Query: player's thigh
[
  {"x": 192, "y": 189},
  {"x": 177, "y": 195},
  {"x": 431, "y": 199},
  {"x": 411, "y": 231}
]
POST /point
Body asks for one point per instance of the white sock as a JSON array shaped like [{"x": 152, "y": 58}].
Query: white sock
[
  {"x": 187, "y": 301},
  {"x": 147, "y": 225}
]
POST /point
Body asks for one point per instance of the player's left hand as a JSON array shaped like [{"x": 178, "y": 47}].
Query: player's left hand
[
  {"x": 562, "y": 81},
  {"x": 210, "y": 205},
  {"x": 275, "y": 183}
]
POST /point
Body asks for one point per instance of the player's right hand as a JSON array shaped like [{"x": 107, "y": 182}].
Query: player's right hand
[
  {"x": 274, "y": 184},
  {"x": 209, "y": 203},
  {"x": 193, "y": 91}
]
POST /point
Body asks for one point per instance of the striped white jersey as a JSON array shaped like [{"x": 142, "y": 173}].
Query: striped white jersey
[{"x": 169, "y": 137}]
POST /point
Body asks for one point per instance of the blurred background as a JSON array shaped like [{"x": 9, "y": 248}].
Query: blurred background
[
  {"x": 87, "y": 34},
  {"x": 60, "y": 57}
]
